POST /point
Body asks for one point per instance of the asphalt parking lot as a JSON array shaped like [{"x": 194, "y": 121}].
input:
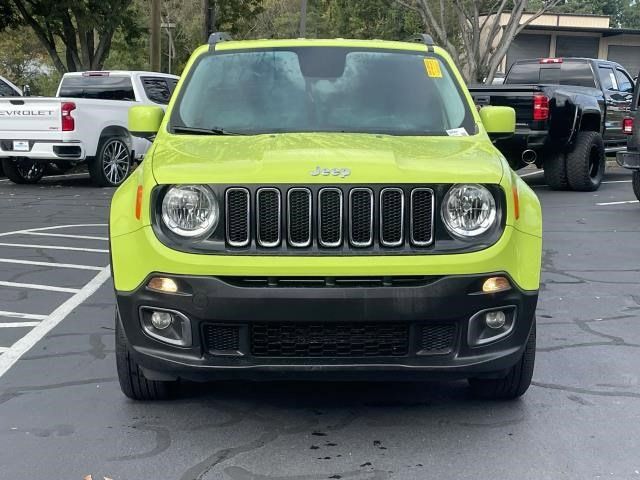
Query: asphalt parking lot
[{"x": 62, "y": 414}]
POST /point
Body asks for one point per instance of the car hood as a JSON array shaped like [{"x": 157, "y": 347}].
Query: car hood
[{"x": 338, "y": 158}]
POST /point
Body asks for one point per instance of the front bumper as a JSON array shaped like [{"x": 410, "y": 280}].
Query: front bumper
[
  {"x": 629, "y": 159},
  {"x": 415, "y": 307},
  {"x": 45, "y": 150}
]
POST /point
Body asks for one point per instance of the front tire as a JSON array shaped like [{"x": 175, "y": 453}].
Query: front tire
[
  {"x": 635, "y": 181},
  {"x": 555, "y": 171},
  {"x": 132, "y": 380},
  {"x": 112, "y": 163},
  {"x": 517, "y": 381},
  {"x": 23, "y": 170},
  {"x": 586, "y": 163}
]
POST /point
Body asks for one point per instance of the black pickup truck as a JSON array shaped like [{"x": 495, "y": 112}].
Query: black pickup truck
[
  {"x": 631, "y": 157},
  {"x": 569, "y": 112}
]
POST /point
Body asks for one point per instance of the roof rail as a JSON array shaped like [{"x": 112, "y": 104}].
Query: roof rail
[
  {"x": 427, "y": 40},
  {"x": 218, "y": 37}
]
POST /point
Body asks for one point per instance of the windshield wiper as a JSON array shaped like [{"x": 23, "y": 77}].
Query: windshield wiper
[{"x": 203, "y": 131}]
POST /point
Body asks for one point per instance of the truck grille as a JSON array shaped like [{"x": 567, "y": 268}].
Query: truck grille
[
  {"x": 329, "y": 339},
  {"x": 356, "y": 218}
]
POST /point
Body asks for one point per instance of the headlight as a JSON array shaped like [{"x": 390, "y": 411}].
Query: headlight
[
  {"x": 468, "y": 210},
  {"x": 190, "y": 210}
]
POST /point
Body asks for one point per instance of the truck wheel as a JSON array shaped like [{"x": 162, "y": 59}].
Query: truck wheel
[
  {"x": 112, "y": 163},
  {"x": 635, "y": 181},
  {"x": 132, "y": 381},
  {"x": 517, "y": 381},
  {"x": 586, "y": 163},
  {"x": 555, "y": 171},
  {"x": 23, "y": 171}
]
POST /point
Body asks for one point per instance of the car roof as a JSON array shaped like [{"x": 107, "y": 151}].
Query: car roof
[
  {"x": 567, "y": 59},
  {"x": 129, "y": 73}
]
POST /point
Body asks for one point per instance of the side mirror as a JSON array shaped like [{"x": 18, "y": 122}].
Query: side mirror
[
  {"x": 499, "y": 122},
  {"x": 26, "y": 91},
  {"x": 145, "y": 121}
]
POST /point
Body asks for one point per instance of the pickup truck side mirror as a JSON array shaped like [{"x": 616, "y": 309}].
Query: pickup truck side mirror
[
  {"x": 499, "y": 122},
  {"x": 145, "y": 121}
]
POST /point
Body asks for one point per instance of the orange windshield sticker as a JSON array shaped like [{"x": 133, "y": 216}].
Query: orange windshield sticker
[{"x": 433, "y": 67}]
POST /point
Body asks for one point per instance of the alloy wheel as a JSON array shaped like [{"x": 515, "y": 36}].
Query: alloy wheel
[{"x": 115, "y": 162}]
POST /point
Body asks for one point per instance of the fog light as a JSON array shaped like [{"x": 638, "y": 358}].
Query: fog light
[
  {"x": 495, "y": 284},
  {"x": 163, "y": 284},
  {"x": 161, "y": 320},
  {"x": 495, "y": 319}
]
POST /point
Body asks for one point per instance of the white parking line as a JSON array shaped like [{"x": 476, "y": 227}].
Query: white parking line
[
  {"x": 532, "y": 173},
  {"x": 53, "y": 247},
  {"x": 617, "y": 203},
  {"x": 18, "y": 325},
  {"x": 50, "y": 264},
  {"x": 24, "y": 316},
  {"x": 22, "y": 346},
  {"x": 62, "y": 235},
  {"x": 35, "y": 286},
  {"x": 56, "y": 227},
  {"x": 618, "y": 181}
]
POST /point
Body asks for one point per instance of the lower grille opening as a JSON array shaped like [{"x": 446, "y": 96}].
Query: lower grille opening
[
  {"x": 221, "y": 338},
  {"x": 437, "y": 339},
  {"x": 329, "y": 340}
]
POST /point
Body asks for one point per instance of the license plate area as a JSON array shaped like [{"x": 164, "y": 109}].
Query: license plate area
[{"x": 21, "y": 146}]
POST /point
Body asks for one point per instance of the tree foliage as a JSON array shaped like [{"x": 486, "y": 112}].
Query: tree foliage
[
  {"x": 92, "y": 34},
  {"x": 82, "y": 30},
  {"x": 623, "y": 13},
  {"x": 477, "y": 33}
]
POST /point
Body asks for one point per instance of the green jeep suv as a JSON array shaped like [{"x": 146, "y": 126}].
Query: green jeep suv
[{"x": 324, "y": 209}]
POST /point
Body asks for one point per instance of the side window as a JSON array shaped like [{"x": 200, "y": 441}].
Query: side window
[
  {"x": 173, "y": 83},
  {"x": 6, "y": 90},
  {"x": 608, "y": 79},
  {"x": 157, "y": 89},
  {"x": 625, "y": 84}
]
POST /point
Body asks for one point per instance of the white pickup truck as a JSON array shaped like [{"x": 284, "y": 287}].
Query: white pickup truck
[{"x": 86, "y": 121}]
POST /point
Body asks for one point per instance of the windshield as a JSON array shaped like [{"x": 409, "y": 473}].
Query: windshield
[{"x": 320, "y": 89}]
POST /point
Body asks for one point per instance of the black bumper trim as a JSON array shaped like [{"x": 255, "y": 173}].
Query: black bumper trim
[{"x": 449, "y": 299}]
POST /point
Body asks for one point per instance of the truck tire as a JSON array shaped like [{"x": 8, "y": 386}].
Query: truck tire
[
  {"x": 635, "y": 181},
  {"x": 555, "y": 171},
  {"x": 133, "y": 383},
  {"x": 586, "y": 163},
  {"x": 112, "y": 163},
  {"x": 517, "y": 381},
  {"x": 23, "y": 170}
]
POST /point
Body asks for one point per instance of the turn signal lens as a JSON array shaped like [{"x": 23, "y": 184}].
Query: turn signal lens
[
  {"x": 163, "y": 284},
  {"x": 139, "y": 202},
  {"x": 495, "y": 285}
]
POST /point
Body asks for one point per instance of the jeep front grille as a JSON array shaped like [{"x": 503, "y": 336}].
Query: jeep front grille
[{"x": 357, "y": 218}]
